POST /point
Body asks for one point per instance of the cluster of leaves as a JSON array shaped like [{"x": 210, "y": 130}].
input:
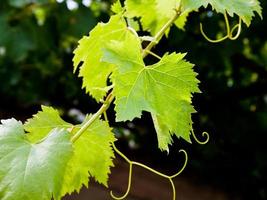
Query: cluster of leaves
[
  {"x": 138, "y": 87},
  {"x": 43, "y": 163},
  {"x": 50, "y": 164}
]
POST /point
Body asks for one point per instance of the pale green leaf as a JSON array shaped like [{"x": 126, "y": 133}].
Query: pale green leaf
[
  {"x": 43, "y": 122},
  {"x": 93, "y": 71},
  {"x": 181, "y": 21},
  {"x": 92, "y": 151},
  {"x": 32, "y": 171},
  {"x": 133, "y": 24},
  {"x": 144, "y": 9},
  {"x": 116, "y": 7},
  {"x": 93, "y": 156},
  {"x": 139, "y": 88},
  {"x": 163, "y": 133},
  {"x": 154, "y": 13},
  {"x": 243, "y": 8}
]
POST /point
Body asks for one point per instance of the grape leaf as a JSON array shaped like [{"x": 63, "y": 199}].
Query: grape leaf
[
  {"x": 92, "y": 153},
  {"x": 139, "y": 88},
  {"x": 32, "y": 171},
  {"x": 43, "y": 122},
  {"x": 243, "y": 8},
  {"x": 93, "y": 70},
  {"x": 154, "y": 13}
]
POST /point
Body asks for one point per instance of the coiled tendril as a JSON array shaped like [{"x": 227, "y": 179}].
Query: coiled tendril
[
  {"x": 230, "y": 32},
  {"x": 204, "y": 134}
]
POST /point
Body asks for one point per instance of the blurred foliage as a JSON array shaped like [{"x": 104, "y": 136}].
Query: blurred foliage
[
  {"x": 36, "y": 43},
  {"x": 37, "y": 38}
]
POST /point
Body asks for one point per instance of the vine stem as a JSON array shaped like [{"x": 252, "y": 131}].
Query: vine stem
[
  {"x": 102, "y": 110},
  {"x": 162, "y": 31}
]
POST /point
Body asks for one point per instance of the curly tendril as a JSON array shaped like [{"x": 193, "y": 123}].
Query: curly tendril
[
  {"x": 204, "y": 134},
  {"x": 230, "y": 32},
  {"x": 239, "y": 28},
  {"x": 131, "y": 163}
]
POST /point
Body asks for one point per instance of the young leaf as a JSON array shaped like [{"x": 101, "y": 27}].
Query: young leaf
[
  {"x": 93, "y": 156},
  {"x": 43, "y": 122},
  {"x": 243, "y": 8},
  {"x": 32, "y": 171},
  {"x": 154, "y": 13},
  {"x": 169, "y": 82},
  {"x": 95, "y": 72}
]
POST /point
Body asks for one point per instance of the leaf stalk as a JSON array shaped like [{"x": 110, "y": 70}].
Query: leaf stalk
[{"x": 102, "y": 110}]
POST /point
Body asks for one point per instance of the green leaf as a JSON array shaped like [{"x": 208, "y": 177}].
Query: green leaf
[
  {"x": 146, "y": 9},
  {"x": 154, "y": 13},
  {"x": 163, "y": 133},
  {"x": 95, "y": 72},
  {"x": 181, "y": 21},
  {"x": 116, "y": 7},
  {"x": 133, "y": 24},
  {"x": 139, "y": 88},
  {"x": 243, "y": 8},
  {"x": 92, "y": 152},
  {"x": 93, "y": 156},
  {"x": 32, "y": 171},
  {"x": 43, "y": 122}
]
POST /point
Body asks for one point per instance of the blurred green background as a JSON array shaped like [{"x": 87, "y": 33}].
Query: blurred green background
[{"x": 37, "y": 38}]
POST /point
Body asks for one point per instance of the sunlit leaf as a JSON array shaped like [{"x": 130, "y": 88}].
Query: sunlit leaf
[
  {"x": 139, "y": 88},
  {"x": 32, "y": 171},
  {"x": 95, "y": 72},
  {"x": 93, "y": 156},
  {"x": 43, "y": 122}
]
